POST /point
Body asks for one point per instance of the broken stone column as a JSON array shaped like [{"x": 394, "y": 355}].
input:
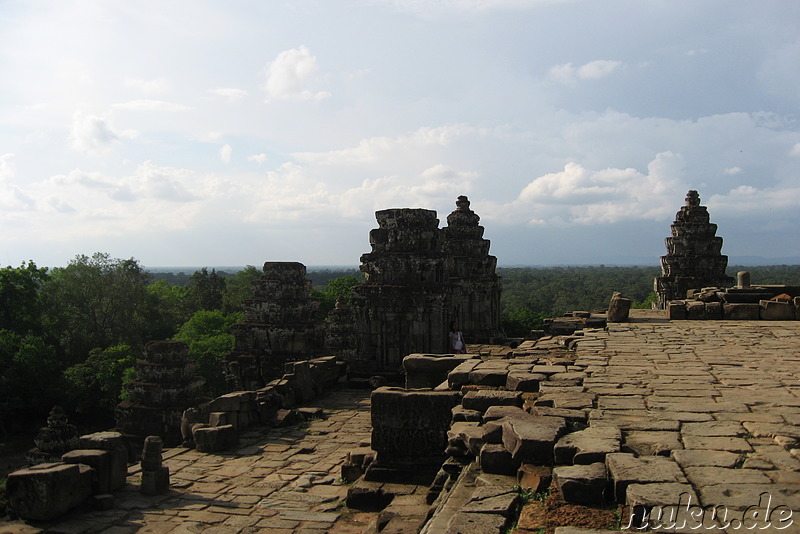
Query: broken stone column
[
  {"x": 694, "y": 259},
  {"x": 53, "y": 440},
  {"x": 165, "y": 386},
  {"x": 155, "y": 476},
  {"x": 280, "y": 326}
]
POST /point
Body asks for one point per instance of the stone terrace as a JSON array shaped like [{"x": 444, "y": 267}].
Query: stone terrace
[{"x": 719, "y": 398}]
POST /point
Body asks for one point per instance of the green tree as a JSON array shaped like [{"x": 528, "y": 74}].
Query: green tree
[
  {"x": 205, "y": 290},
  {"x": 30, "y": 378},
  {"x": 20, "y": 299},
  {"x": 519, "y": 322},
  {"x": 96, "y": 302},
  {"x": 239, "y": 287},
  {"x": 208, "y": 335},
  {"x": 98, "y": 381},
  {"x": 167, "y": 309}
]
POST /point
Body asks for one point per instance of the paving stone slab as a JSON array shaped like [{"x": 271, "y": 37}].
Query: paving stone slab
[
  {"x": 717, "y": 443},
  {"x": 650, "y": 443},
  {"x": 625, "y": 469},
  {"x": 705, "y": 458},
  {"x": 587, "y": 446},
  {"x": 500, "y": 500},
  {"x": 708, "y": 476},
  {"x": 472, "y": 523}
]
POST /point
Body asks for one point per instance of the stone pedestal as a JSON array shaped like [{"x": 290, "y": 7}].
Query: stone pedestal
[{"x": 155, "y": 476}]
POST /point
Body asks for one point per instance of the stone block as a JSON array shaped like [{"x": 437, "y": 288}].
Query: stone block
[
  {"x": 47, "y": 491},
  {"x": 523, "y": 381},
  {"x": 582, "y": 484},
  {"x": 713, "y": 311},
  {"x": 494, "y": 413},
  {"x": 481, "y": 400},
  {"x": 618, "y": 309},
  {"x": 587, "y": 446},
  {"x": 625, "y": 469},
  {"x": 484, "y": 375},
  {"x": 500, "y": 500},
  {"x": 156, "y": 482},
  {"x": 676, "y": 310},
  {"x": 741, "y": 312},
  {"x": 534, "y": 478},
  {"x": 695, "y": 310},
  {"x": 221, "y": 418},
  {"x": 771, "y": 310},
  {"x": 474, "y": 523},
  {"x": 215, "y": 439},
  {"x": 460, "y": 375},
  {"x": 98, "y": 460},
  {"x": 532, "y": 441},
  {"x": 429, "y": 370},
  {"x": 284, "y": 417},
  {"x": 113, "y": 442},
  {"x": 462, "y": 414},
  {"x": 662, "y": 505},
  {"x": 649, "y": 443},
  {"x": 495, "y": 459},
  {"x": 410, "y": 426}
]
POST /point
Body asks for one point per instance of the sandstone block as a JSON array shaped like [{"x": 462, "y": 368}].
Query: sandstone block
[
  {"x": 741, "y": 312},
  {"x": 114, "y": 443},
  {"x": 215, "y": 439},
  {"x": 531, "y": 441},
  {"x": 155, "y": 482},
  {"x": 472, "y": 523},
  {"x": 618, "y": 308},
  {"x": 676, "y": 310},
  {"x": 481, "y": 400},
  {"x": 429, "y": 370},
  {"x": 46, "y": 491},
  {"x": 500, "y": 500},
  {"x": 523, "y": 381},
  {"x": 587, "y": 446},
  {"x": 495, "y": 459},
  {"x": 771, "y": 310},
  {"x": 98, "y": 460},
  {"x": 582, "y": 484},
  {"x": 625, "y": 469}
]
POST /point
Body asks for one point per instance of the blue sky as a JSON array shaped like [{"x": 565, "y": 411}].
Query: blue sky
[{"x": 233, "y": 133}]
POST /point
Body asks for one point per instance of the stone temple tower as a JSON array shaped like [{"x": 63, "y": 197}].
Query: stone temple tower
[
  {"x": 694, "y": 259},
  {"x": 418, "y": 279}
]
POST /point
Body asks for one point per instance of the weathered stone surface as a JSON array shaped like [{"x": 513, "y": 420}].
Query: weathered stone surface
[
  {"x": 741, "y": 312},
  {"x": 531, "y": 441},
  {"x": 474, "y": 523},
  {"x": 460, "y": 375},
  {"x": 587, "y": 446},
  {"x": 705, "y": 458},
  {"x": 98, "y": 460},
  {"x": 46, "y": 491},
  {"x": 53, "y": 440},
  {"x": 771, "y": 310},
  {"x": 482, "y": 399},
  {"x": 410, "y": 426},
  {"x": 215, "y": 439},
  {"x": 662, "y": 505},
  {"x": 498, "y": 412},
  {"x": 492, "y": 500},
  {"x": 462, "y": 414},
  {"x": 114, "y": 443},
  {"x": 625, "y": 469},
  {"x": 618, "y": 308},
  {"x": 567, "y": 400},
  {"x": 429, "y": 370},
  {"x": 694, "y": 258},
  {"x": 534, "y": 478},
  {"x": 649, "y": 443},
  {"x": 524, "y": 381},
  {"x": 582, "y": 484},
  {"x": 495, "y": 459}
]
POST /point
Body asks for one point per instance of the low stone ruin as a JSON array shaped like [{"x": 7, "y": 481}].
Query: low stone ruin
[
  {"x": 743, "y": 302},
  {"x": 97, "y": 467},
  {"x": 694, "y": 258},
  {"x": 54, "y": 439},
  {"x": 164, "y": 387}
]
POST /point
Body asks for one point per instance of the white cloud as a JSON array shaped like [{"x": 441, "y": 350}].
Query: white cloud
[
  {"x": 229, "y": 92},
  {"x": 294, "y": 74},
  {"x": 730, "y": 171},
  {"x": 754, "y": 200},
  {"x": 257, "y": 158},
  {"x": 580, "y": 195},
  {"x": 155, "y": 86},
  {"x": 11, "y": 197},
  {"x": 91, "y": 133},
  {"x": 151, "y": 105},
  {"x": 568, "y": 74},
  {"x": 225, "y": 153},
  {"x": 795, "y": 150},
  {"x": 7, "y": 170}
]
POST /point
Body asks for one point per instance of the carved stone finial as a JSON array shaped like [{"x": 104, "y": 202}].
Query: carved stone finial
[
  {"x": 692, "y": 198},
  {"x": 462, "y": 203}
]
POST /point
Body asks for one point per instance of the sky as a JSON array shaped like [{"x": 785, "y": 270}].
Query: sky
[{"x": 193, "y": 132}]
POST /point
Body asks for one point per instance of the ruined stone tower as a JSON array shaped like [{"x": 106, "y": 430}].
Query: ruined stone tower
[
  {"x": 280, "y": 325},
  {"x": 418, "y": 279},
  {"x": 694, "y": 259}
]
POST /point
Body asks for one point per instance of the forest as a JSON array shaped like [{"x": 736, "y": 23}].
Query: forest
[{"x": 71, "y": 335}]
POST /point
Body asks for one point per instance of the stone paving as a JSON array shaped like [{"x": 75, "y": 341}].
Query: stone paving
[
  {"x": 718, "y": 399},
  {"x": 279, "y": 480}
]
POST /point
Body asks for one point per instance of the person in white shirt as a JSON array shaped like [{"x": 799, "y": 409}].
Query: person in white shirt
[{"x": 457, "y": 345}]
